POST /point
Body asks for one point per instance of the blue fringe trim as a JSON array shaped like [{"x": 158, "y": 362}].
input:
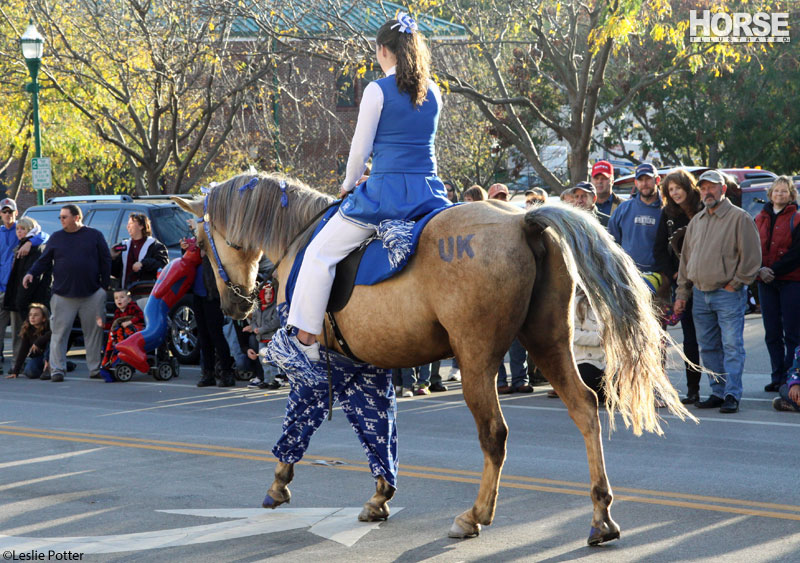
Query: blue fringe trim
[
  {"x": 283, "y": 353},
  {"x": 396, "y": 237}
]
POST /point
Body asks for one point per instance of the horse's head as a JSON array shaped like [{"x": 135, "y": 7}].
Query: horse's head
[{"x": 235, "y": 262}]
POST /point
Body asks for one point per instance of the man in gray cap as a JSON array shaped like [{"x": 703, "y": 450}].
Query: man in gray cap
[
  {"x": 721, "y": 256},
  {"x": 584, "y": 195}
]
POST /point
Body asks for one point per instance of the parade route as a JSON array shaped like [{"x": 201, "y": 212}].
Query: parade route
[{"x": 166, "y": 471}]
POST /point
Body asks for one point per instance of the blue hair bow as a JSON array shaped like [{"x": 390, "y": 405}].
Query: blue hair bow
[
  {"x": 249, "y": 185},
  {"x": 284, "y": 196},
  {"x": 406, "y": 23}
]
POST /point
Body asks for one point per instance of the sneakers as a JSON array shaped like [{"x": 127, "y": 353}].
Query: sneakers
[
  {"x": 274, "y": 384},
  {"x": 56, "y": 377},
  {"x": 690, "y": 398},
  {"x": 310, "y": 350},
  {"x": 730, "y": 405},
  {"x": 255, "y": 383},
  {"x": 713, "y": 402},
  {"x": 455, "y": 375},
  {"x": 781, "y": 404},
  {"x": 407, "y": 392},
  {"x": 438, "y": 387},
  {"x": 422, "y": 390}
]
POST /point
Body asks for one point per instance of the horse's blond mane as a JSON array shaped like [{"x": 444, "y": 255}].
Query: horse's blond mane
[{"x": 255, "y": 219}]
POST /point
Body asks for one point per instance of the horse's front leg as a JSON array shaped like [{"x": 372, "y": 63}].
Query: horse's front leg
[
  {"x": 377, "y": 508},
  {"x": 278, "y": 492},
  {"x": 480, "y": 394}
]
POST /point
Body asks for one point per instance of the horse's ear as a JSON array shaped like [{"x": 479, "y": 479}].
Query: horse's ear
[{"x": 192, "y": 206}]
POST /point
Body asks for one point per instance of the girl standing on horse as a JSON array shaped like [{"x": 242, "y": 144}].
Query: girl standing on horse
[{"x": 397, "y": 124}]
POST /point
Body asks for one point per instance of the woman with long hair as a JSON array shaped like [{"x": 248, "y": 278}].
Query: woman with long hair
[
  {"x": 397, "y": 123},
  {"x": 682, "y": 199},
  {"x": 779, "y": 277},
  {"x": 34, "y": 343}
]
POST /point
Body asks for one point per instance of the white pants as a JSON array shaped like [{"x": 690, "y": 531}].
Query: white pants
[{"x": 334, "y": 242}]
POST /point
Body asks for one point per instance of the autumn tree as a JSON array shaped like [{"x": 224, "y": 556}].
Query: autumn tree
[{"x": 161, "y": 82}]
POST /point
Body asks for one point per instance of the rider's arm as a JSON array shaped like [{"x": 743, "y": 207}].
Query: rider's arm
[{"x": 369, "y": 114}]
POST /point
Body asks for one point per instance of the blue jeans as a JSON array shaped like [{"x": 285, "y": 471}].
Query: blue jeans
[
  {"x": 719, "y": 321},
  {"x": 780, "y": 310},
  {"x": 519, "y": 369},
  {"x": 34, "y": 366}
]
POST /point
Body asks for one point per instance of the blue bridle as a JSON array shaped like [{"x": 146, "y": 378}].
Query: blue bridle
[{"x": 236, "y": 289}]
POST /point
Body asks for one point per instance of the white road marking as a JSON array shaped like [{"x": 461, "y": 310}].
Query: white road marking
[
  {"x": 505, "y": 403},
  {"x": 41, "y": 479},
  {"x": 47, "y": 458},
  {"x": 337, "y": 524}
]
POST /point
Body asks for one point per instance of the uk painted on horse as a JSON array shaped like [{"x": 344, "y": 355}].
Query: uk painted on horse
[{"x": 536, "y": 257}]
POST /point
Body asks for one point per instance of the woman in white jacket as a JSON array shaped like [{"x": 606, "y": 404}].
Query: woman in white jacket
[{"x": 587, "y": 346}]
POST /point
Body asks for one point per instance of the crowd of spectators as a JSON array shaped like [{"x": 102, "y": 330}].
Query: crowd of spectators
[{"x": 681, "y": 231}]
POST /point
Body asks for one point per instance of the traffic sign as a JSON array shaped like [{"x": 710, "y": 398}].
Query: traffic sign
[{"x": 41, "y": 173}]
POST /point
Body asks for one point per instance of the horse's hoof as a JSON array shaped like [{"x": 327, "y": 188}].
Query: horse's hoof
[
  {"x": 272, "y": 503},
  {"x": 372, "y": 513},
  {"x": 601, "y": 535},
  {"x": 462, "y": 529}
]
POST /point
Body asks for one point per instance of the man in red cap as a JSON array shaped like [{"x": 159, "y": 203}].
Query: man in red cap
[
  {"x": 603, "y": 182},
  {"x": 498, "y": 191}
]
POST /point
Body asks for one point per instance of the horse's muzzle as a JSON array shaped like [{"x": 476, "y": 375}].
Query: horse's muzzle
[{"x": 235, "y": 307}]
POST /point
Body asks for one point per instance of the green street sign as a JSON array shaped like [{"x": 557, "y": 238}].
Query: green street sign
[{"x": 41, "y": 173}]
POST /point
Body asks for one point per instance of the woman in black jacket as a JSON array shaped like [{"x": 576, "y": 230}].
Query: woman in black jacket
[
  {"x": 682, "y": 203},
  {"x": 17, "y": 298},
  {"x": 140, "y": 257}
]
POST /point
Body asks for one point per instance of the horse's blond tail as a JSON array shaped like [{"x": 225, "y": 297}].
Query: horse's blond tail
[{"x": 635, "y": 377}]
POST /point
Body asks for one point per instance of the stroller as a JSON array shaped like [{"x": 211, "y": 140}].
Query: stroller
[{"x": 162, "y": 365}]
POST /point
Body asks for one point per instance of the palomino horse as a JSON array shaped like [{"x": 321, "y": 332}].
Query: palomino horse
[{"x": 532, "y": 261}]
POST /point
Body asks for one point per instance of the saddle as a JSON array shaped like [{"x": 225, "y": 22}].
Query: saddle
[{"x": 345, "y": 280}]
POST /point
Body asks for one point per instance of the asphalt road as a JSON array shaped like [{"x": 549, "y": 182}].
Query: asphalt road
[{"x": 87, "y": 469}]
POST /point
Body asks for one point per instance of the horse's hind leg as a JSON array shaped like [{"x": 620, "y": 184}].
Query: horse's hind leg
[
  {"x": 581, "y": 402},
  {"x": 546, "y": 334},
  {"x": 278, "y": 492},
  {"x": 480, "y": 394},
  {"x": 376, "y": 508}
]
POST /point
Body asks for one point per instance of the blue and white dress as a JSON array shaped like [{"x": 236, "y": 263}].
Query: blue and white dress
[{"x": 400, "y": 137}]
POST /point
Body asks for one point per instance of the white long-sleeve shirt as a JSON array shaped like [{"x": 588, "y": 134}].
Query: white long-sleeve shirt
[{"x": 369, "y": 114}]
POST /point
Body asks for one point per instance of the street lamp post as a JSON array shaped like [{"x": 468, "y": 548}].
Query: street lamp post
[{"x": 32, "y": 45}]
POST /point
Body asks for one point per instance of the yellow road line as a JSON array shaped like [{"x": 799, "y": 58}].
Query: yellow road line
[{"x": 422, "y": 472}]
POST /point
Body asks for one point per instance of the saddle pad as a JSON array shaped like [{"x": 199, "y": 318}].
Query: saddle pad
[{"x": 375, "y": 265}]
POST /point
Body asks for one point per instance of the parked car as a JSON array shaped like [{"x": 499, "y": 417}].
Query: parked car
[
  {"x": 109, "y": 215},
  {"x": 754, "y": 197}
]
